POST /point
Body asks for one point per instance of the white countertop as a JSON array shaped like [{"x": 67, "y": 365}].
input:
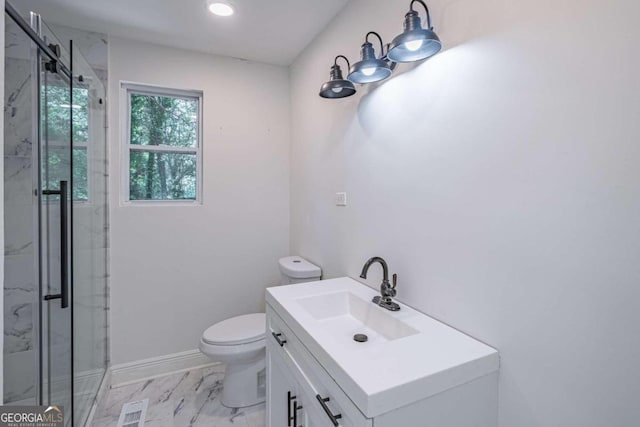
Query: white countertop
[{"x": 381, "y": 375}]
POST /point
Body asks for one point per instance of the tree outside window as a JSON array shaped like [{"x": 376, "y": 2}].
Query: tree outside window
[{"x": 56, "y": 131}]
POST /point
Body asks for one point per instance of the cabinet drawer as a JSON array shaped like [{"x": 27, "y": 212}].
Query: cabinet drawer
[{"x": 314, "y": 379}]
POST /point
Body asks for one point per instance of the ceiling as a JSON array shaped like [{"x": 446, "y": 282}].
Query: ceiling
[{"x": 271, "y": 31}]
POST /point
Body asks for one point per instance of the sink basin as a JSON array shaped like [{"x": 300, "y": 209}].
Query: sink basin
[
  {"x": 408, "y": 356},
  {"x": 344, "y": 314}
]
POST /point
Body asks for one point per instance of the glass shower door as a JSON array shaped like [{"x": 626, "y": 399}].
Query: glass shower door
[
  {"x": 55, "y": 214},
  {"x": 89, "y": 237},
  {"x": 54, "y": 145}
]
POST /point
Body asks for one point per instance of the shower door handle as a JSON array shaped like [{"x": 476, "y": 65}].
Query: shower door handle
[{"x": 63, "y": 296}]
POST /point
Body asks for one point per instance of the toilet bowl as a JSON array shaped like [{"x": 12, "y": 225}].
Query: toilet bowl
[{"x": 239, "y": 343}]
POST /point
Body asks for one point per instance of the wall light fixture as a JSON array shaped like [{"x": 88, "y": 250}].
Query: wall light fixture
[
  {"x": 337, "y": 86},
  {"x": 415, "y": 43},
  {"x": 370, "y": 69}
]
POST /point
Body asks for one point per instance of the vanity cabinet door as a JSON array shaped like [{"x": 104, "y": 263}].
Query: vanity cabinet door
[
  {"x": 315, "y": 420},
  {"x": 285, "y": 401}
]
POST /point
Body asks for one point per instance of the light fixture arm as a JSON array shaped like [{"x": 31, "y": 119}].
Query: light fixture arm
[
  {"x": 425, "y": 8},
  {"x": 366, "y": 39},
  {"x": 335, "y": 61}
]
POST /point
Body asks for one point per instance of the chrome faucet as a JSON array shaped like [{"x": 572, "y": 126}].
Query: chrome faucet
[{"x": 387, "y": 291}]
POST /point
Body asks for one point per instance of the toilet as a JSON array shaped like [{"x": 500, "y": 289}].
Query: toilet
[{"x": 239, "y": 342}]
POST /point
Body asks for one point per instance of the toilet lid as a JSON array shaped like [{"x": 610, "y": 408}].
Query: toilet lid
[{"x": 237, "y": 330}]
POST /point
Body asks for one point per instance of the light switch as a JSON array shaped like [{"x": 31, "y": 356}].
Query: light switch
[{"x": 341, "y": 199}]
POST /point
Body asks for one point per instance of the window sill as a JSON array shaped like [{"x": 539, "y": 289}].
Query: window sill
[{"x": 160, "y": 203}]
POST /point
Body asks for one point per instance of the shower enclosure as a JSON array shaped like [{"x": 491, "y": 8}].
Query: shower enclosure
[{"x": 55, "y": 211}]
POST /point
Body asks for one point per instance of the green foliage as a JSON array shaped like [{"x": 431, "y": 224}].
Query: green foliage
[
  {"x": 163, "y": 121},
  {"x": 55, "y": 127}
]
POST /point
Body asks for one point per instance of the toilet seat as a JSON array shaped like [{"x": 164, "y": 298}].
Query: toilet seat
[{"x": 236, "y": 330}]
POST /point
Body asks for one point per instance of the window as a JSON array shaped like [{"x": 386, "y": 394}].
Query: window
[{"x": 163, "y": 144}]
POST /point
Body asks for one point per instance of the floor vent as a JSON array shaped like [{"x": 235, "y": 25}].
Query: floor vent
[{"x": 133, "y": 414}]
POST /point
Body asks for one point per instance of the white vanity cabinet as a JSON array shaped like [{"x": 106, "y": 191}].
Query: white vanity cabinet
[
  {"x": 296, "y": 384},
  {"x": 413, "y": 371}
]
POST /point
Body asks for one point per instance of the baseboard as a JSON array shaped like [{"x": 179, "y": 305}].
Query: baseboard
[{"x": 127, "y": 373}]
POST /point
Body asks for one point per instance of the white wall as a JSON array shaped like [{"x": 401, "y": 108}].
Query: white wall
[
  {"x": 500, "y": 179},
  {"x": 175, "y": 270}
]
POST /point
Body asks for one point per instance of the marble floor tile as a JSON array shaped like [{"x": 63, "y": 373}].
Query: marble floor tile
[
  {"x": 186, "y": 399},
  {"x": 256, "y": 416},
  {"x": 165, "y": 422},
  {"x": 104, "y": 422},
  {"x": 160, "y": 415}
]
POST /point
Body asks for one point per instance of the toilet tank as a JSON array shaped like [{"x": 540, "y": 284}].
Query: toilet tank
[{"x": 295, "y": 269}]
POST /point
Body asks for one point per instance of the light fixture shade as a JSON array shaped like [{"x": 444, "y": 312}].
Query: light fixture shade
[
  {"x": 415, "y": 43},
  {"x": 337, "y": 86},
  {"x": 369, "y": 69}
]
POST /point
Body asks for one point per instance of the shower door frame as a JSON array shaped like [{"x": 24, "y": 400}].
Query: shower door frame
[
  {"x": 66, "y": 296},
  {"x": 42, "y": 51}
]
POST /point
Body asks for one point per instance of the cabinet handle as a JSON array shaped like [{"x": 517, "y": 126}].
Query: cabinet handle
[
  {"x": 289, "y": 399},
  {"x": 277, "y": 337},
  {"x": 334, "y": 418},
  {"x": 296, "y": 408}
]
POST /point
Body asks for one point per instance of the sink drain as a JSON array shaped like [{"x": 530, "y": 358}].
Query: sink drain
[{"x": 360, "y": 338}]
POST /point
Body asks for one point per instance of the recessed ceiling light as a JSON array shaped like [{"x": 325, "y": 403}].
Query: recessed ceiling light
[{"x": 220, "y": 9}]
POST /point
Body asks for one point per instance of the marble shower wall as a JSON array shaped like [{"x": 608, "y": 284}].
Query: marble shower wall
[
  {"x": 19, "y": 280},
  {"x": 20, "y": 285}
]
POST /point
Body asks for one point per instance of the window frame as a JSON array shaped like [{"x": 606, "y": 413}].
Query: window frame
[{"x": 130, "y": 88}]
